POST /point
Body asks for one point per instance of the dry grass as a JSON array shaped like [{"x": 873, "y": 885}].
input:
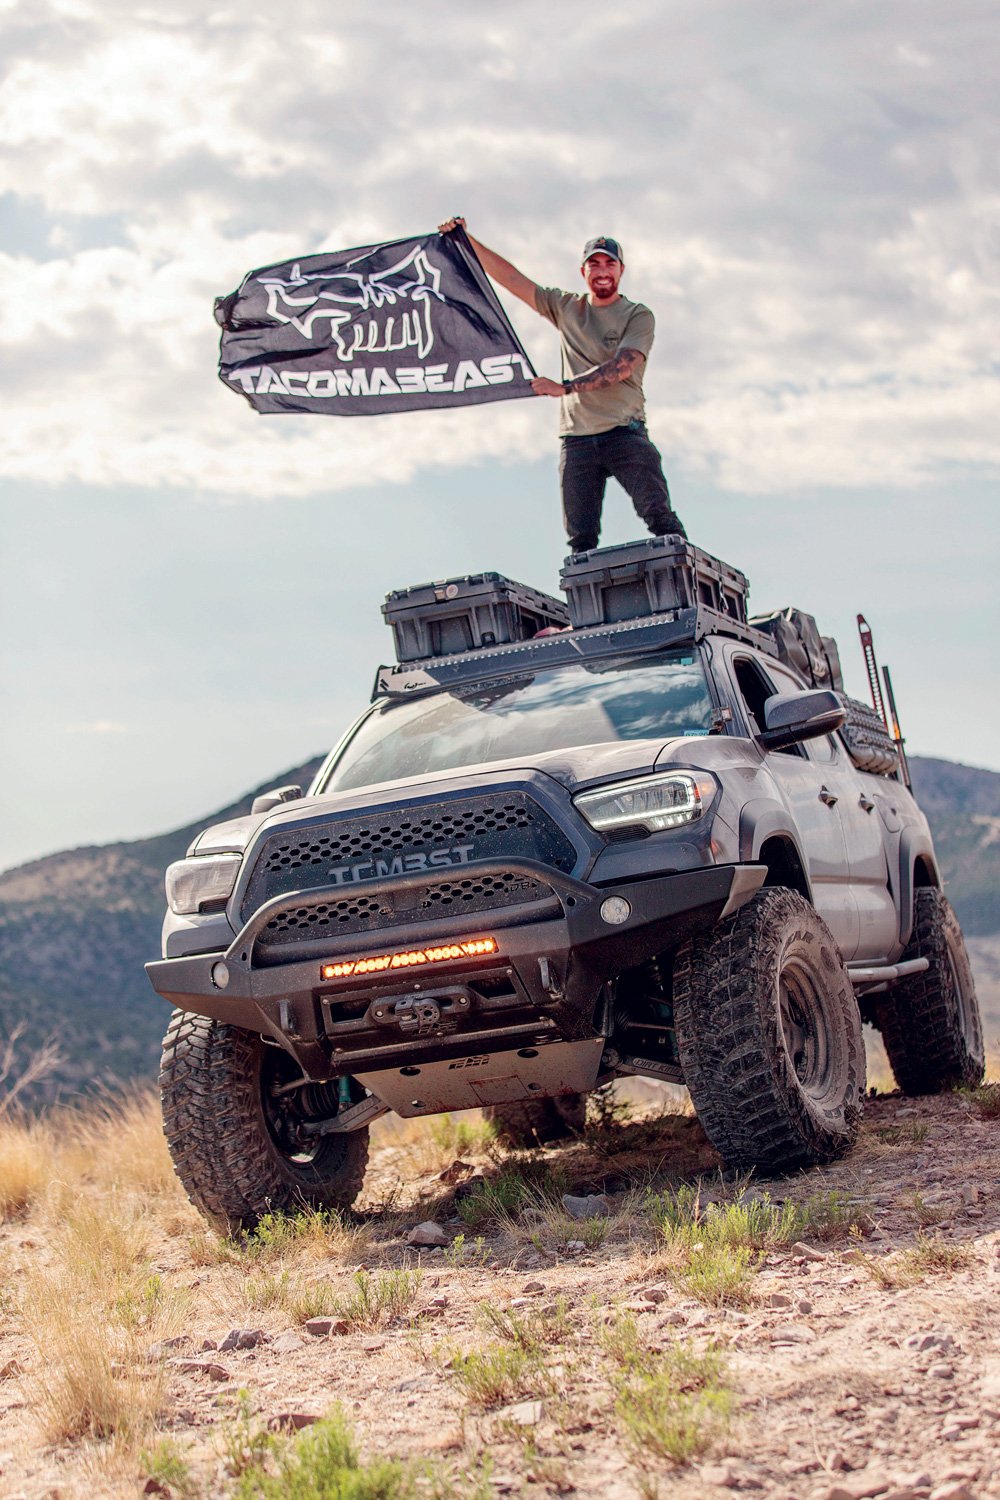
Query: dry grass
[
  {"x": 929, "y": 1256},
  {"x": 97, "y": 1184},
  {"x": 24, "y": 1167},
  {"x": 114, "y": 1145},
  {"x": 498, "y": 1373},
  {"x": 92, "y": 1313}
]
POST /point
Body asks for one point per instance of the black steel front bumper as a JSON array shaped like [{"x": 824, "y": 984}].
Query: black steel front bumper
[{"x": 553, "y": 960}]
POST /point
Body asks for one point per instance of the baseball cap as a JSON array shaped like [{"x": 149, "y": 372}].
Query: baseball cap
[{"x": 603, "y": 245}]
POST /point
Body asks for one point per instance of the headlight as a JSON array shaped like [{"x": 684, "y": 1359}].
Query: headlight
[
  {"x": 193, "y": 883},
  {"x": 649, "y": 802}
]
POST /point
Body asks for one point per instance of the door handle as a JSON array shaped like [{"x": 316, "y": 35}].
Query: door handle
[
  {"x": 825, "y": 795},
  {"x": 865, "y": 802}
]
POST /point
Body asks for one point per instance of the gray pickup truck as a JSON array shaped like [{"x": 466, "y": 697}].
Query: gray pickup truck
[{"x": 641, "y": 835}]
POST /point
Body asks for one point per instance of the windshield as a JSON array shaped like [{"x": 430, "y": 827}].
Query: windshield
[{"x": 592, "y": 704}]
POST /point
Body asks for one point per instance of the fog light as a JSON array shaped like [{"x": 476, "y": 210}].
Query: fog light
[
  {"x": 220, "y": 975},
  {"x": 616, "y": 910}
]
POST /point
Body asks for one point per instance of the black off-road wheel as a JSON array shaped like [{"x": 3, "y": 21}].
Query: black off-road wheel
[
  {"x": 233, "y": 1118},
  {"x": 536, "y": 1122},
  {"x": 930, "y": 1022},
  {"x": 769, "y": 1036}
]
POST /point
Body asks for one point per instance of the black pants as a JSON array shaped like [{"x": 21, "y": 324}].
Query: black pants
[{"x": 625, "y": 454}]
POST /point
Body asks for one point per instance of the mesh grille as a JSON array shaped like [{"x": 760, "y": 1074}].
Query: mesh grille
[
  {"x": 404, "y": 841},
  {"x": 450, "y": 898}
]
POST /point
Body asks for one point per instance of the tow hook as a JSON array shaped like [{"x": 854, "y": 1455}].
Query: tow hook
[{"x": 550, "y": 980}]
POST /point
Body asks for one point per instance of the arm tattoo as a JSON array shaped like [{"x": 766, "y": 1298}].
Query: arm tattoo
[{"x": 614, "y": 370}]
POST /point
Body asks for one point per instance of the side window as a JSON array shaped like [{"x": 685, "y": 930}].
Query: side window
[
  {"x": 755, "y": 689},
  {"x": 823, "y": 750}
]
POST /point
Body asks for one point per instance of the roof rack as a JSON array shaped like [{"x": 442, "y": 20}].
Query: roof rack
[{"x": 636, "y": 637}]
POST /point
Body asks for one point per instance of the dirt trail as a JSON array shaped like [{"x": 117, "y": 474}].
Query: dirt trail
[{"x": 860, "y": 1365}]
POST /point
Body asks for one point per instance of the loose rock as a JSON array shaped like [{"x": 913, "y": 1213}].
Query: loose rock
[
  {"x": 522, "y": 1413},
  {"x": 859, "y": 1487},
  {"x": 427, "y": 1234},
  {"x": 456, "y": 1172},
  {"x": 287, "y": 1343},
  {"x": 720, "y": 1474},
  {"x": 792, "y": 1333},
  {"x": 808, "y": 1252},
  {"x": 321, "y": 1328},
  {"x": 594, "y": 1206},
  {"x": 201, "y": 1367},
  {"x": 242, "y": 1338},
  {"x": 291, "y": 1421}
]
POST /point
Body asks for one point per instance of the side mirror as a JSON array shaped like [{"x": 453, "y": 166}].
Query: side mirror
[
  {"x": 792, "y": 717},
  {"x": 267, "y": 800}
]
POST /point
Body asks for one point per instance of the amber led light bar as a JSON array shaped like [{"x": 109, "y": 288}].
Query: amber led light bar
[{"x": 377, "y": 963}]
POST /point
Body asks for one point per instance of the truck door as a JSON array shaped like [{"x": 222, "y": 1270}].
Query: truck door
[
  {"x": 812, "y": 803},
  {"x": 866, "y": 853}
]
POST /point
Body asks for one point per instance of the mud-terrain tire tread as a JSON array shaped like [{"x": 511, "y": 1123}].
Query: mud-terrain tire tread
[
  {"x": 190, "y": 1085},
  {"x": 736, "y": 1066},
  {"x": 535, "y": 1122},
  {"x": 219, "y": 1144},
  {"x": 919, "y": 1017}
]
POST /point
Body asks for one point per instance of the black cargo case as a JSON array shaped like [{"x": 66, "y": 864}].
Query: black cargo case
[
  {"x": 815, "y": 657},
  {"x": 610, "y": 584},
  {"x": 473, "y": 613}
]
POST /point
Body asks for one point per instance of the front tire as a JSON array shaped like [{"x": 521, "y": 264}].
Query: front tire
[
  {"x": 769, "y": 1036},
  {"x": 231, "y": 1125},
  {"x": 930, "y": 1023}
]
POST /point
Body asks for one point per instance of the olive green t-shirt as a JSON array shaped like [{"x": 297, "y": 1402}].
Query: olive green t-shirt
[{"x": 590, "y": 336}]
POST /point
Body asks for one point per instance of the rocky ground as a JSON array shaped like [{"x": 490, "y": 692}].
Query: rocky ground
[{"x": 861, "y": 1358}]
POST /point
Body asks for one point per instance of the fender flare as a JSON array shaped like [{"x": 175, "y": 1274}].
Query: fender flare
[
  {"x": 914, "y": 844},
  {"x": 761, "y": 820}
]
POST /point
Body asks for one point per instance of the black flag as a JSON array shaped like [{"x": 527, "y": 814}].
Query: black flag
[{"x": 413, "y": 323}]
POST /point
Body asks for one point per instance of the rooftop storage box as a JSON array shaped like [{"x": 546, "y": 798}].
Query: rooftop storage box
[
  {"x": 465, "y": 614},
  {"x": 609, "y": 584}
]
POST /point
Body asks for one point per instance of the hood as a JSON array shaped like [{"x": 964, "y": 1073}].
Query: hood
[{"x": 572, "y": 768}]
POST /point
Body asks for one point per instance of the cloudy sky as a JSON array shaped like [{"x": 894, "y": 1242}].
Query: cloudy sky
[{"x": 808, "y": 197}]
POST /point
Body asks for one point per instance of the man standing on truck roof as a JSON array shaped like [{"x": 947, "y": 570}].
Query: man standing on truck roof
[{"x": 605, "y": 341}]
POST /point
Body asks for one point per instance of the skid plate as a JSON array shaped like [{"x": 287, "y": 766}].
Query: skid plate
[{"x": 469, "y": 1082}]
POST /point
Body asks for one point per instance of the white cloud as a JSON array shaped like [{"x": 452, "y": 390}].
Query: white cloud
[{"x": 810, "y": 210}]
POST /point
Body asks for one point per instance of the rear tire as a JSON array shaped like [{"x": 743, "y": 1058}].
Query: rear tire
[
  {"x": 232, "y": 1137},
  {"x": 930, "y": 1023},
  {"x": 535, "y": 1122},
  {"x": 769, "y": 1036}
]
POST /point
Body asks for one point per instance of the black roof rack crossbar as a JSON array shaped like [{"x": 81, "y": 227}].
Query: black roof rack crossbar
[{"x": 629, "y": 637}]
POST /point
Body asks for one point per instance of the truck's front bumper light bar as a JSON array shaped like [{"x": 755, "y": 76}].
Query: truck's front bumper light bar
[
  {"x": 648, "y": 803},
  {"x": 193, "y": 884}
]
